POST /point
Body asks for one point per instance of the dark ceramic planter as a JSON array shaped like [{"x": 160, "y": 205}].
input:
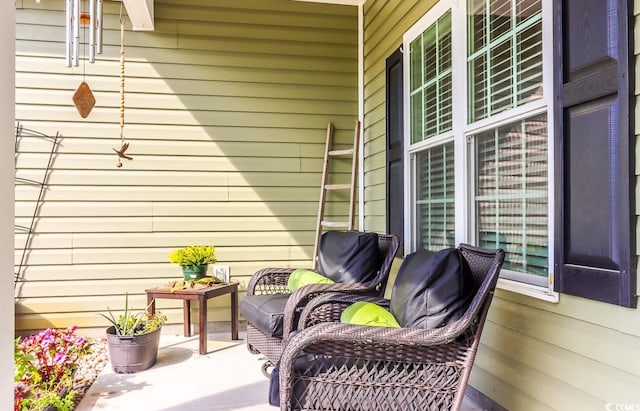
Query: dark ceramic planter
[
  {"x": 129, "y": 354},
  {"x": 194, "y": 272}
]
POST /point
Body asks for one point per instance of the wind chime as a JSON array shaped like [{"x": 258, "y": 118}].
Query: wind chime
[{"x": 83, "y": 97}]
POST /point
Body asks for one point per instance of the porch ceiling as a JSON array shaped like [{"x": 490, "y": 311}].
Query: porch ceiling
[{"x": 345, "y": 2}]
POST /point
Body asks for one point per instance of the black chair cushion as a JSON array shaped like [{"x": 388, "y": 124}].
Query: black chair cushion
[
  {"x": 432, "y": 289},
  {"x": 265, "y": 312},
  {"x": 348, "y": 257}
]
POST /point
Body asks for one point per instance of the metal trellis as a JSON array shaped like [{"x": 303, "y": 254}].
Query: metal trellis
[{"x": 20, "y": 132}]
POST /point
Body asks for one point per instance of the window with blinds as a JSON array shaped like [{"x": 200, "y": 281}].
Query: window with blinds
[
  {"x": 504, "y": 61},
  {"x": 483, "y": 95},
  {"x": 435, "y": 181},
  {"x": 430, "y": 94},
  {"x": 511, "y": 193}
]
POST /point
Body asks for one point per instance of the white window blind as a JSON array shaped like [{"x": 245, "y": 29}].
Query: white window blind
[
  {"x": 430, "y": 94},
  {"x": 435, "y": 197},
  {"x": 511, "y": 193},
  {"x": 504, "y": 55}
]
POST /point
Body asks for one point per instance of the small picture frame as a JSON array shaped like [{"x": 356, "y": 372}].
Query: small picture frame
[{"x": 221, "y": 272}]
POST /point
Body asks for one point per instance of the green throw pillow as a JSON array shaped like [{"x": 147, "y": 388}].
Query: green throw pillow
[
  {"x": 365, "y": 313},
  {"x": 301, "y": 277}
]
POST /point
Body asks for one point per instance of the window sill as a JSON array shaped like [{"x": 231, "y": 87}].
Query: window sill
[{"x": 535, "y": 291}]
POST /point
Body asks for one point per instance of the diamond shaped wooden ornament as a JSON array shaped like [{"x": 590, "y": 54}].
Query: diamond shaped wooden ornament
[{"x": 84, "y": 100}]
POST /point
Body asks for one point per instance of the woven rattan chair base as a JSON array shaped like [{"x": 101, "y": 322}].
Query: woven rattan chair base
[
  {"x": 363, "y": 385},
  {"x": 270, "y": 347}
]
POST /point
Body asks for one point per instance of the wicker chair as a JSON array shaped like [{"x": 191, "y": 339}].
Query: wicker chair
[
  {"x": 328, "y": 365},
  {"x": 274, "y": 281}
]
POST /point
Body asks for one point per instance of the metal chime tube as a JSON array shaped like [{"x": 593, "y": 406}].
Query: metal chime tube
[
  {"x": 72, "y": 36},
  {"x": 76, "y": 32},
  {"x": 92, "y": 31},
  {"x": 98, "y": 27},
  {"x": 69, "y": 33}
]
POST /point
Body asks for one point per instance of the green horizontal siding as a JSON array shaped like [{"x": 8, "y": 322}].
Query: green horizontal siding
[{"x": 227, "y": 104}]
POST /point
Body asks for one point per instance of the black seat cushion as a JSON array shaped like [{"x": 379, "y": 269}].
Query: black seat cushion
[
  {"x": 432, "y": 289},
  {"x": 265, "y": 312},
  {"x": 348, "y": 257}
]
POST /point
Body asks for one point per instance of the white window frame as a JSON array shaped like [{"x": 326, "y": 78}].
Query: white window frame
[{"x": 463, "y": 168}]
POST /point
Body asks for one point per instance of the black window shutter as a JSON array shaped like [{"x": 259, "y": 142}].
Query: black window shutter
[
  {"x": 395, "y": 147},
  {"x": 594, "y": 151}
]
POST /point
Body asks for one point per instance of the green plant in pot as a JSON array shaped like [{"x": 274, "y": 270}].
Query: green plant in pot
[
  {"x": 194, "y": 260},
  {"x": 133, "y": 338}
]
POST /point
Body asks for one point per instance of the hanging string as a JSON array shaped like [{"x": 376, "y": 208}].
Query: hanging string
[
  {"x": 84, "y": 45},
  {"x": 121, "y": 153},
  {"x": 121, "y": 79}
]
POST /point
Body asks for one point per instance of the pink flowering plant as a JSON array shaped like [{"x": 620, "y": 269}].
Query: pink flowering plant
[{"x": 43, "y": 369}]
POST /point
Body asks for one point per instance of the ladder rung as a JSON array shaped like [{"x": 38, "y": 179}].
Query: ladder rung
[
  {"x": 22, "y": 227},
  {"x": 335, "y": 224},
  {"x": 337, "y": 186},
  {"x": 346, "y": 152}
]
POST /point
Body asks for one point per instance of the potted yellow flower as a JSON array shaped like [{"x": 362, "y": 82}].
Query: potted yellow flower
[{"x": 194, "y": 260}]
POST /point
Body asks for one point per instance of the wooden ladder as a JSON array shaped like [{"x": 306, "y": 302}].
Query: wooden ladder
[{"x": 326, "y": 188}]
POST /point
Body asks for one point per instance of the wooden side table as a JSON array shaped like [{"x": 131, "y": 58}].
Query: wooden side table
[{"x": 201, "y": 295}]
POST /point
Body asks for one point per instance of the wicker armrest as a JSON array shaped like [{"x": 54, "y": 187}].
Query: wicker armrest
[
  {"x": 301, "y": 297},
  {"x": 384, "y": 343},
  {"x": 269, "y": 281},
  {"x": 329, "y": 306},
  {"x": 330, "y": 338}
]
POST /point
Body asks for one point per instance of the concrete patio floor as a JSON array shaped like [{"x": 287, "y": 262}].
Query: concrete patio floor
[{"x": 227, "y": 378}]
